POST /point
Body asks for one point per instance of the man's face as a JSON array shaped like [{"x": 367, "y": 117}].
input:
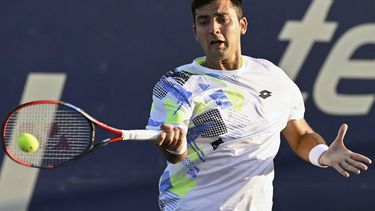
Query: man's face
[{"x": 218, "y": 29}]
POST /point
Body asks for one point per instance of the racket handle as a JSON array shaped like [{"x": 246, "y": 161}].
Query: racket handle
[
  {"x": 140, "y": 135},
  {"x": 148, "y": 135}
]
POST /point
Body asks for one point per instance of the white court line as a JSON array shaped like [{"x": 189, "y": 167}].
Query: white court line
[{"x": 17, "y": 182}]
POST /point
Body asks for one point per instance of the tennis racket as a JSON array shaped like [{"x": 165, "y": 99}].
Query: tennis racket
[{"x": 63, "y": 132}]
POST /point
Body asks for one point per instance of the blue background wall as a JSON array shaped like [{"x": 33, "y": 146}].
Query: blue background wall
[{"x": 112, "y": 53}]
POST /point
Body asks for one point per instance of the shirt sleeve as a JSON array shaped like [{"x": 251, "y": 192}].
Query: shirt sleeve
[
  {"x": 171, "y": 102},
  {"x": 298, "y": 105}
]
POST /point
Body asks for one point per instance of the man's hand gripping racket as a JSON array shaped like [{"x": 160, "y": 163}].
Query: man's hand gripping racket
[{"x": 50, "y": 133}]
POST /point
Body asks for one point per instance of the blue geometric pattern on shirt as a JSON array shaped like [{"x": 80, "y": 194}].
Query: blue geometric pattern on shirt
[
  {"x": 171, "y": 78},
  {"x": 220, "y": 99},
  {"x": 154, "y": 123},
  {"x": 191, "y": 169},
  {"x": 204, "y": 86},
  {"x": 159, "y": 91},
  {"x": 168, "y": 200},
  {"x": 193, "y": 133},
  {"x": 165, "y": 182},
  {"x": 230, "y": 78},
  {"x": 179, "y": 76},
  {"x": 177, "y": 91}
]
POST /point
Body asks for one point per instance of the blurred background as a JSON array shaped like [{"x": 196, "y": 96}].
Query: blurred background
[{"x": 106, "y": 56}]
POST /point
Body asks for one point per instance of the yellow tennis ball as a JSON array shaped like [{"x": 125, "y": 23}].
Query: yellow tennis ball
[{"x": 27, "y": 142}]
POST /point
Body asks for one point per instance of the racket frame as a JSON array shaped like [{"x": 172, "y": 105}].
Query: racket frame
[{"x": 120, "y": 135}]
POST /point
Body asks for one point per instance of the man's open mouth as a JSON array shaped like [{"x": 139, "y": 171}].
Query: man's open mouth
[{"x": 216, "y": 42}]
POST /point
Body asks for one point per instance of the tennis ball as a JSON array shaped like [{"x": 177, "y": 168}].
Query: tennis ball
[{"x": 27, "y": 142}]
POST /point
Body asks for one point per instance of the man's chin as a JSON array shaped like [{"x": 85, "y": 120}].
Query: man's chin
[{"x": 217, "y": 54}]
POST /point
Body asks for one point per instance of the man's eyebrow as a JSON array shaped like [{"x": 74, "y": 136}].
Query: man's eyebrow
[
  {"x": 215, "y": 15},
  {"x": 202, "y": 16},
  {"x": 221, "y": 14}
]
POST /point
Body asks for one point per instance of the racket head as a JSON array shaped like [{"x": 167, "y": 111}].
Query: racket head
[{"x": 63, "y": 132}]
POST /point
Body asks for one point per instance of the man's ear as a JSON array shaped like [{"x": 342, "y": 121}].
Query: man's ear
[
  {"x": 194, "y": 31},
  {"x": 243, "y": 25}
]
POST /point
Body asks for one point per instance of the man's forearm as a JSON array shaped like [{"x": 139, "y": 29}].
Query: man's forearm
[{"x": 307, "y": 142}]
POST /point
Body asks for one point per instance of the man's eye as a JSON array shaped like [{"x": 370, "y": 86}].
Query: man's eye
[
  {"x": 223, "y": 20},
  {"x": 203, "y": 22}
]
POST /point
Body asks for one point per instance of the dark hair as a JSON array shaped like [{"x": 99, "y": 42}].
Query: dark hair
[{"x": 196, "y": 4}]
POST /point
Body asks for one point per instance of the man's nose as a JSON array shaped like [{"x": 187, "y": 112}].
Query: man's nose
[{"x": 214, "y": 27}]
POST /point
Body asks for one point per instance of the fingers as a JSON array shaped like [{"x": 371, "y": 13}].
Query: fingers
[
  {"x": 166, "y": 137},
  {"x": 159, "y": 140},
  {"x": 358, "y": 165},
  {"x": 171, "y": 138},
  {"x": 341, "y": 133},
  {"x": 361, "y": 158},
  {"x": 163, "y": 135},
  {"x": 181, "y": 145},
  {"x": 344, "y": 168},
  {"x": 358, "y": 161},
  {"x": 352, "y": 165},
  {"x": 341, "y": 170},
  {"x": 349, "y": 168}
]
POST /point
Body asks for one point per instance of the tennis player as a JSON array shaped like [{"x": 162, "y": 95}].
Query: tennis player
[{"x": 229, "y": 109}]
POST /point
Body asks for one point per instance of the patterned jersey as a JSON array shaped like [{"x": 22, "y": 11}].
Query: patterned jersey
[{"x": 234, "y": 119}]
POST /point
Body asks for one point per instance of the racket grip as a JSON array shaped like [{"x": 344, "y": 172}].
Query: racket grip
[
  {"x": 140, "y": 135},
  {"x": 148, "y": 135}
]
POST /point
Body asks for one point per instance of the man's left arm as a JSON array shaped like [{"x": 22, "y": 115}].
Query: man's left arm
[{"x": 311, "y": 147}]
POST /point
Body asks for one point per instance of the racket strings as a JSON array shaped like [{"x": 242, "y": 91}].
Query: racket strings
[{"x": 63, "y": 134}]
